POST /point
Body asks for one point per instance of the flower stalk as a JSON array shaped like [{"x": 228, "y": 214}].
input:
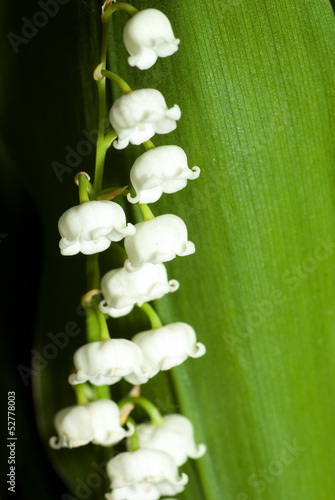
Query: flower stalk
[
  {"x": 154, "y": 318},
  {"x": 81, "y": 394},
  {"x": 90, "y": 228},
  {"x": 151, "y": 409}
]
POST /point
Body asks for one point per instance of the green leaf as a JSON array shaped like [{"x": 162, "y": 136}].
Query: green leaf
[{"x": 255, "y": 82}]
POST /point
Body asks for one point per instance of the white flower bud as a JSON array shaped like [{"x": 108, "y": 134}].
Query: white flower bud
[
  {"x": 137, "y": 116},
  {"x": 106, "y": 362},
  {"x": 147, "y": 36},
  {"x": 160, "y": 170},
  {"x": 122, "y": 290},
  {"x": 156, "y": 241},
  {"x": 97, "y": 422},
  {"x": 91, "y": 227},
  {"x": 175, "y": 436},
  {"x": 168, "y": 346},
  {"x": 149, "y": 469}
]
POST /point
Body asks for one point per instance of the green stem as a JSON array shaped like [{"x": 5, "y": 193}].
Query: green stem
[
  {"x": 92, "y": 271},
  {"x": 149, "y": 145},
  {"x": 134, "y": 443},
  {"x": 109, "y": 138},
  {"x": 82, "y": 398},
  {"x": 83, "y": 188},
  {"x": 103, "y": 392},
  {"x": 105, "y": 193},
  {"x": 95, "y": 334},
  {"x": 93, "y": 326},
  {"x": 104, "y": 40},
  {"x": 148, "y": 406},
  {"x": 152, "y": 315},
  {"x": 125, "y": 88},
  {"x": 104, "y": 332},
  {"x": 96, "y": 325},
  {"x": 101, "y": 146},
  {"x": 146, "y": 212},
  {"x": 110, "y": 8}
]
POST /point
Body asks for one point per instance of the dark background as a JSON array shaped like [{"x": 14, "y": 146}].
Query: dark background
[{"x": 26, "y": 122}]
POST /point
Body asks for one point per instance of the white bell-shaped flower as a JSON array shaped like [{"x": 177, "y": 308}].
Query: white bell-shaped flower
[
  {"x": 147, "y": 36},
  {"x": 168, "y": 346},
  {"x": 152, "y": 471},
  {"x": 157, "y": 240},
  {"x": 174, "y": 435},
  {"x": 136, "y": 491},
  {"x": 97, "y": 422},
  {"x": 91, "y": 227},
  {"x": 160, "y": 170},
  {"x": 122, "y": 290},
  {"x": 106, "y": 362},
  {"x": 137, "y": 116}
]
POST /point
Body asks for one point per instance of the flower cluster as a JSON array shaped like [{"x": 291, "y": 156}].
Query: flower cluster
[
  {"x": 155, "y": 450},
  {"x": 138, "y": 360}
]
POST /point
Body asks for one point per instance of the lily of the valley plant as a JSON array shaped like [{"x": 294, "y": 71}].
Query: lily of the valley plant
[{"x": 148, "y": 468}]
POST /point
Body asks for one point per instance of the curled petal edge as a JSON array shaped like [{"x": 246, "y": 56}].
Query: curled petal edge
[
  {"x": 77, "y": 378},
  {"x": 53, "y": 442},
  {"x": 174, "y": 113},
  {"x": 103, "y": 306},
  {"x": 199, "y": 452},
  {"x": 81, "y": 377},
  {"x": 201, "y": 350},
  {"x": 68, "y": 443},
  {"x": 189, "y": 249},
  {"x": 145, "y": 60},
  {"x": 174, "y": 285},
  {"x": 131, "y": 430},
  {"x": 195, "y": 173},
  {"x": 115, "y": 312},
  {"x": 128, "y": 230},
  {"x": 182, "y": 480},
  {"x": 127, "y": 265},
  {"x": 120, "y": 143},
  {"x": 133, "y": 200},
  {"x": 145, "y": 371}
]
